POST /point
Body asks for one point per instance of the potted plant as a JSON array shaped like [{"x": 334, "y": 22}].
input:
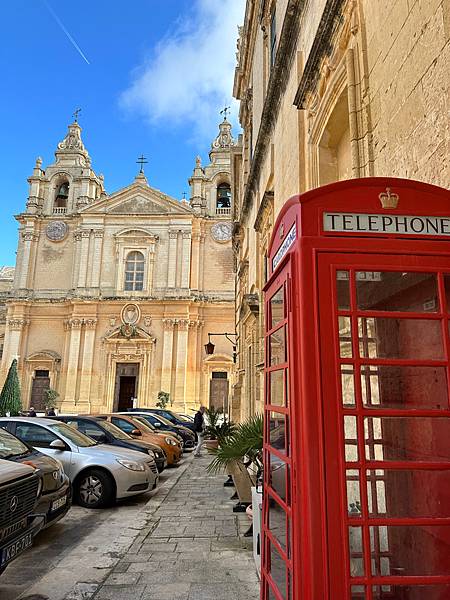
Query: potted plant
[
  {"x": 163, "y": 400},
  {"x": 239, "y": 453},
  {"x": 50, "y": 398},
  {"x": 218, "y": 428}
]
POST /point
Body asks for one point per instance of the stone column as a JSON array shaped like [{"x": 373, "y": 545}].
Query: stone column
[
  {"x": 186, "y": 260},
  {"x": 84, "y": 255},
  {"x": 172, "y": 259},
  {"x": 97, "y": 258},
  {"x": 86, "y": 365},
  {"x": 166, "y": 369},
  {"x": 74, "y": 327},
  {"x": 181, "y": 365},
  {"x": 28, "y": 237}
]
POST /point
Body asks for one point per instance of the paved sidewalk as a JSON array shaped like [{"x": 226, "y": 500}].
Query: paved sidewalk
[{"x": 190, "y": 548}]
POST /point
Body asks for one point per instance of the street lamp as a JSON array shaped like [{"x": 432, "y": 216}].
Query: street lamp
[{"x": 209, "y": 347}]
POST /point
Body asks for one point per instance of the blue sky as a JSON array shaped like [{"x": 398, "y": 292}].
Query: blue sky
[{"x": 159, "y": 72}]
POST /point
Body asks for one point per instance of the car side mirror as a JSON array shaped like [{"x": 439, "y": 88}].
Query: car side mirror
[
  {"x": 57, "y": 445},
  {"x": 136, "y": 432},
  {"x": 100, "y": 438}
]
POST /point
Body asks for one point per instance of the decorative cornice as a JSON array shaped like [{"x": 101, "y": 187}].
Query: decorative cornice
[
  {"x": 322, "y": 46},
  {"x": 278, "y": 81}
]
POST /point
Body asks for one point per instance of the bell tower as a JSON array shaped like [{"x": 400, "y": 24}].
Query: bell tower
[
  {"x": 211, "y": 185},
  {"x": 67, "y": 185}
]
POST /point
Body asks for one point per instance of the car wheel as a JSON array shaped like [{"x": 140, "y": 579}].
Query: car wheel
[{"x": 94, "y": 489}]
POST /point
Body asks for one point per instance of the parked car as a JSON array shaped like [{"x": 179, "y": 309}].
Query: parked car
[
  {"x": 174, "y": 418},
  {"x": 188, "y": 417},
  {"x": 172, "y": 447},
  {"x": 20, "y": 489},
  {"x": 99, "y": 473},
  {"x": 160, "y": 422},
  {"x": 56, "y": 496},
  {"x": 104, "y": 432}
]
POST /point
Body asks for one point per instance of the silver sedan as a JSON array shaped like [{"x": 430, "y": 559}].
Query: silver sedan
[{"x": 99, "y": 473}]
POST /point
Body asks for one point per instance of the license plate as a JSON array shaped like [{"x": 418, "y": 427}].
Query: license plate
[
  {"x": 15, "y": 548},
  {"x": 58, "y": 503}
]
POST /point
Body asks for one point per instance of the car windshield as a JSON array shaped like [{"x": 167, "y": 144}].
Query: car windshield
[
  {"x": 144, "y": 423},
  {"x": 163, "y": 420},
  {"x": 74, "y": 436},
  {"x": 182, "y": 418},
  {"x": 11, "y": 446},
  {"x": 115, "y": 431}
]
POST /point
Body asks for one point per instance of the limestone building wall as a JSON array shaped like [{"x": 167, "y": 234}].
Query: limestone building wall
[{"x": 328, "y": 90}]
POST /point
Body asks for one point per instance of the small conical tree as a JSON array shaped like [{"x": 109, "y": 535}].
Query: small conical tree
[{"x": 10, "y": 401}]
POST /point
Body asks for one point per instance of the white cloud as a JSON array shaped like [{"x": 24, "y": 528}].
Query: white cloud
[{"x": 190, "y": 75}]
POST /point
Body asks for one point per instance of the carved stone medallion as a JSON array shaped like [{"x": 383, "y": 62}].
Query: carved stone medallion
[
  {"x": 221, "y": 232},
  {"x": 130, "y": 315},
  {"x": 56, "y": 231}
]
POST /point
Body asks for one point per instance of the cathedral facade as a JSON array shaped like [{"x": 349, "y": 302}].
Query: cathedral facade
[{"x": 114, "y": 295}]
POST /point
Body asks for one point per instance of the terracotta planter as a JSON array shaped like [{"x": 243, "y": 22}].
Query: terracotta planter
[{"x": 211, "y": 445}]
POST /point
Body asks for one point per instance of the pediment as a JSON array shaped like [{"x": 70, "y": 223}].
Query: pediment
[
  {"x": 139, "y": 205},
  {"x": 133, "y": 335},
  {"x": 138, "y": 199}
]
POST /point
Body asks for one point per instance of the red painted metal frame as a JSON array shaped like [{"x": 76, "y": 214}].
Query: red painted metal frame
[{"x": 319, "y": 558}]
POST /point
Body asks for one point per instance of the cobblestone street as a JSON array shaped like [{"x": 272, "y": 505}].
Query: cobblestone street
[
  {"x": 181, "y": 543},
  {"x": 190, "y": 548}
]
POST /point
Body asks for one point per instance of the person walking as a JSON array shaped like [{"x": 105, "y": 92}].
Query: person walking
[
  {"x": 32, "y": 412},
  {"x": 51, "y": 412},
  {"x": 199, "y": 422}
]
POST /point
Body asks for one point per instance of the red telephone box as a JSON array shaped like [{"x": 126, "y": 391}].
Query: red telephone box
[{"x": 357, "y": 417}]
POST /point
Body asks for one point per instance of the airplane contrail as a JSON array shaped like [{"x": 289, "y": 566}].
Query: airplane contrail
[{"x": 61, "y": 24}]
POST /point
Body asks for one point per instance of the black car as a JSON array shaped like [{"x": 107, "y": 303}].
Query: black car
[
  {"x": 159, "y": 422},
  {"x": 104, "y": 432},
  {"x": 174, "y": 418},
  {"x": 56, "y": 496},
  {"x": 20, "y": 489}
]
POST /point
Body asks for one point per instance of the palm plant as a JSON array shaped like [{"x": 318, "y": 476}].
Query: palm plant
[
  {"x": 246, "y": 440},
  {"x": 216, "y": 430}
]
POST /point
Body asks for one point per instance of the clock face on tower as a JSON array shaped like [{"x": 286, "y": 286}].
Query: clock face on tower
[
  {"x": 56, "y": 231},
  {"x": 222, "y": 232}
]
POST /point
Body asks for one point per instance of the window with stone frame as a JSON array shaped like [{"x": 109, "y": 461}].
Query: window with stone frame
[
  {"x": 334, "y": 149},
  {"x": 134, "y": 271}
]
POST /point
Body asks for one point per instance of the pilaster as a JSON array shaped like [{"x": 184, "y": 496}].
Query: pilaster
[
  {"x": 15, "y": 329},
  {"x": 84, "y": 256},
  {"x": 181, "y": 364},
  {"x": 28, "y": 239},
  {"x": 186, "y": 259},
  {"x": 195, "y": 263},
  {"x": 74, "y": 327},
  {"x": 90, "y": 325},
  {"x": 97, "y": 258},
  {"x": 166, "y": 368},
  {"x": 172, "y": 260}
]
